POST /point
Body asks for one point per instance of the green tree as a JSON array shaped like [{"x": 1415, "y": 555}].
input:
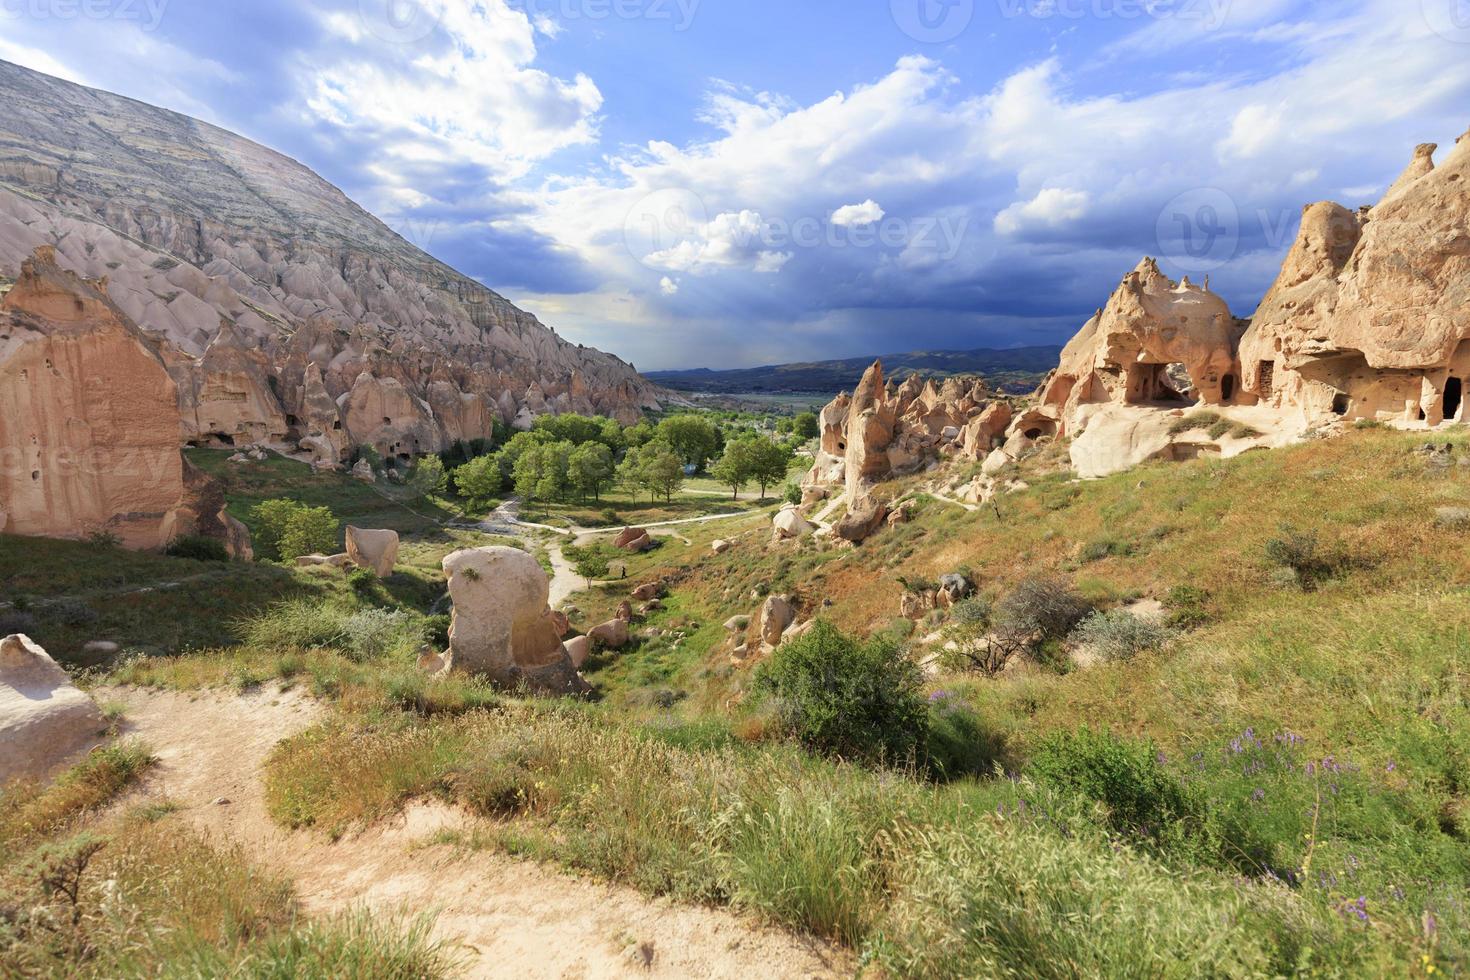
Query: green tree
[
  {"x": 807, "y": 425},
  {"x": 576, "y": 429},
  {"x": 638, "y": 435},
  {"x": 694, "y": 438},
  {"x": 287, "y": 529},
  {"x": 481, "y": 478},
  {"x": 735, "y": 467},
  {"x": 427, "y": 477},
  {"x": 769, "y": 463},
  {"x": 542, "y": 472},
  {"x": 611, "y": 435},
  {"x": 656, "y": 468},
  {"x": 591, "y": 469},
  {"x": 591, "y": 563}
]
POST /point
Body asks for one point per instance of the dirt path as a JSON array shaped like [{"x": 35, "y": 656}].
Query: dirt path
[{"x": 515, "y": 919}]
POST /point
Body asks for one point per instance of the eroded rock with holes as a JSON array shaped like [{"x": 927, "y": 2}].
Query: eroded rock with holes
[
  {"x": 44, "y": 718},
  {"x": 502, "y": 627}
]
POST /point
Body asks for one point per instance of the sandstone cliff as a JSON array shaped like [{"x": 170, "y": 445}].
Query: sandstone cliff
[
  {"x": 284, "y": 312},
  {"x": 1370, "y": 316},
  {"x": 89, "y": 437}
]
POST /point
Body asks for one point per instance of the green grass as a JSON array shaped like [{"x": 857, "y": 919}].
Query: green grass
[{"x": 970, "y": 879}]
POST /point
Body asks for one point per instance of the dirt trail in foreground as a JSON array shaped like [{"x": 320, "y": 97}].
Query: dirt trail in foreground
[{"x": 514, "y": 918}]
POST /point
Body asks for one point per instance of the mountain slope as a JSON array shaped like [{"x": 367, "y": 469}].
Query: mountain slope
[
  {"x": 291, "y": 313},
  {"x": 1022, "y": 367}
]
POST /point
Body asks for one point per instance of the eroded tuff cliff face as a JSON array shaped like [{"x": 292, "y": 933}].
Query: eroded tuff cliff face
[
  {"x": 285, "y": 312},
  {"x": 88, "y": 433},
  {"x": 1370, "y": 317}
]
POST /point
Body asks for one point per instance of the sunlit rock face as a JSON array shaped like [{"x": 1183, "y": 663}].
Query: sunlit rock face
[
  {"x": 1370, "y": 317},
  {"x": 89, "y": 421},
  {"x": 1124, "y": 354},
  {"x": 268, "y": 293}
]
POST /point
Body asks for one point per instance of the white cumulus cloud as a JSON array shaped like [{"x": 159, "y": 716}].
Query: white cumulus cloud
[{"x": 858, "y": 215}]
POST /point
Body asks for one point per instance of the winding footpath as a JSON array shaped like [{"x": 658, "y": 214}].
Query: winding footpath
[{"x": 509, "y": 917}]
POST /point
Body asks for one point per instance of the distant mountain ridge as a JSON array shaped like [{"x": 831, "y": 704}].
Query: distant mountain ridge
[{"x": 1018, "y": 369}]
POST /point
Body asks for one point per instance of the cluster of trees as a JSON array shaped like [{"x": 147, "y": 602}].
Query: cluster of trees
[
  {"x": 287, "y": 529},
  {"x": 572, "y": 456}
]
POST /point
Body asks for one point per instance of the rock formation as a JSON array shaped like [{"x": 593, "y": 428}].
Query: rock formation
[
  {"x": 881, "y": 431},
  {"x": 89, "y": 430},
  {"x": 284, "y": 313},
  {"x": 377, "y": 551},
  {"x": 1123, "y": 354},
  {"x": 502, "y": 627},
  {"x": 1370, "y": 316},
  {"x": 44, "y": 718}
]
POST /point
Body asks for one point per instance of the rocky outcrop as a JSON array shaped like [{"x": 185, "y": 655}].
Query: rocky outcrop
[
  {"x": 1370, "y": 316},
  {"x": 502, "y": 627},
  {"x": 633, "y": 539},
  {"x": 376, "y": 551},
  {"x": 1123, "y": 355},
  {"x": 44, "y": 718},
  {"x": 268, "y": 294},
  {"x": 882, "y": 431},
  {"x": 89, "y": 423}
]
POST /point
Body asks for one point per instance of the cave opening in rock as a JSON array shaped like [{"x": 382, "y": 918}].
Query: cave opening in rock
[
  {"x": 292, "y": 420},
  {"x": 1454, "y": 393},
  {"x": 1227, "y": 387},
  {"x": 1267, "y": 383},
  {"x": 1340, "y": 403},
  {"x": 1034, "y": 433}
]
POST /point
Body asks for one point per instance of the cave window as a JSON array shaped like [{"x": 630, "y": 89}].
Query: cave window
[
  {"x": 1033, "y": 434},
  {"x": 35, "y": 474},
  {"x": 1268, "y": 378},
  {"x": 387, "y": 420},
  {"x": 292, "y": 420},
  {"x": 227, "y": 440},
  {"x": 1454, "y": 393},
  {"x": 1227, "y": 387},
  {"x": 404, "y": 457},
  {"x": 842, "y": 447},
  {"x": 337, "y": 426},
  {"x": 1340, "y": 404}
]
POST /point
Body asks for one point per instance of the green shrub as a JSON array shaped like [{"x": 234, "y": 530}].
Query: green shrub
[
  {"x": 1120, "y": 635},
  {"x": 1300, "y": 553},
  {"x": 199, "y": 548},
  {"x": 1106, "y": 548},
  {"x": 103, "y": 540},
  {"x": 859, "y": 700},
  {"x": 1188, "y": 606},
  {"x": 1143, "y": 799},
  {"x": 287, "y": 529},
  {"x": 792, "y": 493}
]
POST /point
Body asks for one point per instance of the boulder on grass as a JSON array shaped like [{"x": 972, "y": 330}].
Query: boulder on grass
[
  {"x": 625, "y": 611},
  {"x": 502, "y": 627},
  {"x": 863, "y": 520},
  {"x": 377, "y": 551},
  {"x": 613, "y": 634},
  {"x": 790, "y": 525},
  {"x": 579, "y": 648},
  {"x": 44, "y": 718},
  {"x": 649, "y": 592},
  {"x": 720, "y": 547},
  {"x": 633, "y": 539}
]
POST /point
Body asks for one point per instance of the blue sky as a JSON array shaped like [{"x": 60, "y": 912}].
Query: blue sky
[{"x": 725, "y": 183}]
